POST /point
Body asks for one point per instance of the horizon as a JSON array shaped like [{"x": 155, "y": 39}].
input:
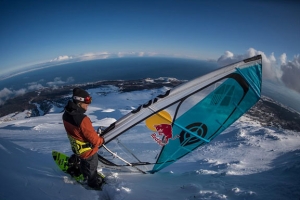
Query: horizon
[
  {"x": 37, "y": 32},
  {"x": 273, "y": 86}
]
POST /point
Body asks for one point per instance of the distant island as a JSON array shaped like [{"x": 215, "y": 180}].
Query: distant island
[{"x": 267, "y": 111}]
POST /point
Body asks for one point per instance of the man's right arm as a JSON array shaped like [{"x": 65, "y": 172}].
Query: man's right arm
[{"x": 89, "y": 133}]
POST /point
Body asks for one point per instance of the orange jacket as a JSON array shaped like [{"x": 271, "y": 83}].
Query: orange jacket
[{"x": 79, "y": 127}]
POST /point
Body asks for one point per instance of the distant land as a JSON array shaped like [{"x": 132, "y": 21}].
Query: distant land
[
  {"x": 47, "y": 97},
  {"x": 267, "y": 111}
]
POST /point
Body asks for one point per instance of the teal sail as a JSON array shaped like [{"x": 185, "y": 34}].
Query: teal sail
[{"x": 174, "y": 124}]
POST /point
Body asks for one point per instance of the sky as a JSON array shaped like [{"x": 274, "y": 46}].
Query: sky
[
  {"x": 35, "y": 32},
  {"x": 38, "y": 31}
]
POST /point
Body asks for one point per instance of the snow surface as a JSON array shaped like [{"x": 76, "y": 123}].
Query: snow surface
[{"x": 247, "y": 161}]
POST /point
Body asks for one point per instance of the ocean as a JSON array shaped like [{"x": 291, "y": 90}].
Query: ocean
[{"x": 109, "y": 69}]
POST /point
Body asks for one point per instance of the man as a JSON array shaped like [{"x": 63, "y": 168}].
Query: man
[{"x": 83, "y": 138}]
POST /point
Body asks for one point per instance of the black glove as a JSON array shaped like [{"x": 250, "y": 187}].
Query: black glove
[{"x": 100, "y": 130}]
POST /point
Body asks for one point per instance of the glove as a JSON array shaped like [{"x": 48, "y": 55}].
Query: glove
[{"x": 100, "y": 130}]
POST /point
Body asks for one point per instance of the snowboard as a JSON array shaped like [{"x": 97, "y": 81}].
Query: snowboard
[{"x": 62, "y": 161}]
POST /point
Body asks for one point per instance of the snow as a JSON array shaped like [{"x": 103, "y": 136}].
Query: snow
[{"x": 247, "y": 161}]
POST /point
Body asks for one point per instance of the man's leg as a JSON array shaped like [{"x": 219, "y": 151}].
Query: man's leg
[
  {"x": 74, "y": 165},
  {"x": 89, "y": 170}
]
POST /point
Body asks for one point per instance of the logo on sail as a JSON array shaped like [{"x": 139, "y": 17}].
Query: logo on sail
[
  {"x": 161, "y": 123},
  {"x": 198, "y": 128}
]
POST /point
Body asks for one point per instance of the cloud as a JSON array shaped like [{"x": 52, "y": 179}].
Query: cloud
[
  {"x": 131, "y": 54},
  {"x": 20, "y": 92},
  {"x": 6, "y": 94},
  {"x": 125, "y": 54},
  {"x": 57, "y": 81},
  {"x": 101, "y": 55},
  {"x": 271, "y": 71},
  {"x": 93, "y": 56},
  {"x": 227, "y": 58},
  {"x": 35, "y": 87},
  {"x": 62, "y": 58},
  {"x": 141, "y": 54},
  {"x": 283, "y": 58},
  {"x": 137, "y": 54},
  {"x": 282, "y": 71},
  {"x": 291, "y": 73},
  {"x": 70, "y": 80}
]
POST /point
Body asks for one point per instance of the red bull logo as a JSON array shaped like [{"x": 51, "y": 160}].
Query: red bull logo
[
  {"x": 161, "y": 124},
  {"x": 165, "y": 131}
]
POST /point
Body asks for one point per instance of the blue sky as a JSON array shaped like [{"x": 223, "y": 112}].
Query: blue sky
[{"x": 38, "y": 31}]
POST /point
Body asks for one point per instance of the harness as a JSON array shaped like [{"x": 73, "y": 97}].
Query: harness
[{"x": 79, "y": 147}]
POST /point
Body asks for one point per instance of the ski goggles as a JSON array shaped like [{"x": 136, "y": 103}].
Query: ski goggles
[{"x": 87, "y": 100}]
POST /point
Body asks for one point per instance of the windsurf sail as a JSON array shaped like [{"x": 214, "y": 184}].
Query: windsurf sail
[{"x": 168, "y": 127}]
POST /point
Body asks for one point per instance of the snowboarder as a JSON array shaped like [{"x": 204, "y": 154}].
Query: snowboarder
[{"x": 83, "y": 138}]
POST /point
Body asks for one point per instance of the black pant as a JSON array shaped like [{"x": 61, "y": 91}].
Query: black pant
[{"x": 89, "y": 170}]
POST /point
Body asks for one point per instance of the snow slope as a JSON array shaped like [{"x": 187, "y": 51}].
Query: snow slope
[{"x": 247, "y": 161}]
